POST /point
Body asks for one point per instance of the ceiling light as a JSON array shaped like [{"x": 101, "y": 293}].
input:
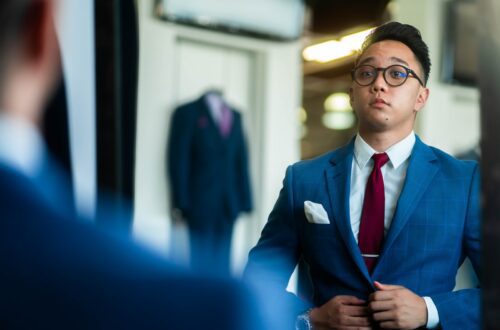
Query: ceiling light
[
  {"x": 326, "y": 51},
  {"x": 355, "y": 40},
  {"x": 335, "y": 49}
]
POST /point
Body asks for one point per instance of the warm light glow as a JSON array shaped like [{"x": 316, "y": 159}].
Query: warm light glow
[
  {"x": 302, "y": 115},
  {"x": 335, "y": 49},
  {"x": 338, "y": 120},
  {"x": 326, "y": 52},
  {"x": 355, "y": 40},
  {"x": 338, "y": 102}
]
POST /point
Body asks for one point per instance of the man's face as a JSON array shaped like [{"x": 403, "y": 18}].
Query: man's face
[{"x": 384, "y": 108}]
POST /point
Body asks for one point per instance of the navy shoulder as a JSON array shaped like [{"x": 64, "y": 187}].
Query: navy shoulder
[
  {"x": 317, "y": 162},
  {"x": 186, "y": 108},
  {"x": 313, "y": 169},
  {"x": 452, "y": 163}
]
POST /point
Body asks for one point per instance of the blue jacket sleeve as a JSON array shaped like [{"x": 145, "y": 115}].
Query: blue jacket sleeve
[
  {"x": 272, "y": 261},
  {"x": 461, "y": 309}
]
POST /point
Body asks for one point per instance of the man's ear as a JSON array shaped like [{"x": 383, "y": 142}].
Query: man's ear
[
  {"x": 351, "y": 97},
  {"x": 422, "y": 97},
  {"x": 39, "y": 32}
]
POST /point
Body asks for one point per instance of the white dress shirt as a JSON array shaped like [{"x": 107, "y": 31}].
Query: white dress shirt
[
  {"x": 215, "y": 104},
  {"x": 394, "y": 174},
  {"x": 21, "y": 146}
]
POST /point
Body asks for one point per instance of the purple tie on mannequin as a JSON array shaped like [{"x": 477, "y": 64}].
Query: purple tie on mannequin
[
  {"x": 371, "y": 228},
  {"x": 226, "y": 120}
]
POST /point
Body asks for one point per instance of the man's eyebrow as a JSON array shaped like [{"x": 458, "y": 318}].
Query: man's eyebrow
[
  {"x": 393, "y": 59},
  {"x": 366, "y": 60},
  {"x": 397, "y": 59}
]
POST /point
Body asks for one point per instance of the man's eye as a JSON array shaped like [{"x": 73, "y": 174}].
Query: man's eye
[
  {"x": 366, "y": 74},
  {"x": 397, "y": 74}
]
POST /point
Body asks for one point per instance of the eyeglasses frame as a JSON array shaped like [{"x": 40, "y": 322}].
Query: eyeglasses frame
[{"x": 409, "y": 73}]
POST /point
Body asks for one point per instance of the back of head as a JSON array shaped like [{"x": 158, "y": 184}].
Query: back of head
[
  {"x": 29, "y": 57},
  {"x": 13, "y": 15},
  {"x": 406, "y": 34}
]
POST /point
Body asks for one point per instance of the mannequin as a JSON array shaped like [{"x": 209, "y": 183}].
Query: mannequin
[{"x": 208, "y": 170}]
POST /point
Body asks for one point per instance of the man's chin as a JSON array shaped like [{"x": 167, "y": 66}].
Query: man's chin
[{"x": 378, "y": 125}]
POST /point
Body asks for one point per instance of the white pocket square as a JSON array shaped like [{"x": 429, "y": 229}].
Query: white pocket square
[{"x": 315, "y": 213}]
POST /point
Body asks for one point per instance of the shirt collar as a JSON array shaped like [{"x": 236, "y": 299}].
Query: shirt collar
[
  {"x": 398, "y": 152},
  {"x": 21, "y": 146}
]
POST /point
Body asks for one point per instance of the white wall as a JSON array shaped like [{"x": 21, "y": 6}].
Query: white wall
[
  {"x": 270, "y": 113},
  {"x": 75, "y": 27},
  {"x": 450, "y": 120}
]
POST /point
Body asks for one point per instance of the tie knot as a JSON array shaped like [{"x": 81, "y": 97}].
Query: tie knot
[{"x": 380, "y": 160}]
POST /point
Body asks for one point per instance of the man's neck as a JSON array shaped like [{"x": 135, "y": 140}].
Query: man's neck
[{"x": 381, "y": 141}]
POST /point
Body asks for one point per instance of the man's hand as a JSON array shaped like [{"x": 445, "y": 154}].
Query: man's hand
[
  {"x": 341, "y": 312},
  {"x": 396, "y": 307}
]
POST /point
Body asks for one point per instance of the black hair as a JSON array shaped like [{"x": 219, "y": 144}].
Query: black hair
[
  {"x": 406, "y": 34},
  {"x": 12, "y": 16}
]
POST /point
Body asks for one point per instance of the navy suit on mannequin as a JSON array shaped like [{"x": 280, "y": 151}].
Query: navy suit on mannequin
[{"x": 209, "y": 179}]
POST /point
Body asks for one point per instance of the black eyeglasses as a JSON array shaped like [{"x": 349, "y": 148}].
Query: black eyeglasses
[{"x": 394, "y": 75}]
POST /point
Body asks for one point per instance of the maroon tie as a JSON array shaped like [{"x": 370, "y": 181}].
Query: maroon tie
[
  {"x": 371, "y": 228},
  {"x": 226, "y": 120}
]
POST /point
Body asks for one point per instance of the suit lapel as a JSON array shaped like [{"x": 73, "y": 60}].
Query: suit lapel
[
  {"x": 421, "y": 171},
  {"x": 338, "y": 181}
]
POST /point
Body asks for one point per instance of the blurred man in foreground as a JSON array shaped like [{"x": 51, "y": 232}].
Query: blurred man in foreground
[{"x": 60, "y": 273}]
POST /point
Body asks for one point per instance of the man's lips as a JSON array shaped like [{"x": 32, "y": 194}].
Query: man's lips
[{"x": 378, "y": 102}]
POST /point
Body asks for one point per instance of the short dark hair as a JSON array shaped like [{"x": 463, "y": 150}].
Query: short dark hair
[
  {"x": 408, "y": 35},
  {"x": 13, "y": 16}
]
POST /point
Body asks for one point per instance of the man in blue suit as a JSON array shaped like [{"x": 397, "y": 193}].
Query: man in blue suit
[
  {"x": 57, "y": 271},
  {"x": 385, "y": 221}
]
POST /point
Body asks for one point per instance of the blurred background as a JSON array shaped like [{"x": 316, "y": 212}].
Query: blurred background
[{"x": 283, "y": 64}]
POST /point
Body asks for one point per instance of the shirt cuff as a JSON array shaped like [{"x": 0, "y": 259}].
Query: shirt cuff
[{"x": 432, "y": 314}]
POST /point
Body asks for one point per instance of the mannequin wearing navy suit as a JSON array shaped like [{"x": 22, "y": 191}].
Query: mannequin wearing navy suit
[
  {"x": 431, "y": 225},
  {"x": 210, "y": 184}
]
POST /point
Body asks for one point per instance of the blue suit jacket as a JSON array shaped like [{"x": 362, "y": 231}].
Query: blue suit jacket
[
  {"x": 435, "y": 226},
  {"x": 58, "y": 272},
  {"x": 208, "y": 173}
]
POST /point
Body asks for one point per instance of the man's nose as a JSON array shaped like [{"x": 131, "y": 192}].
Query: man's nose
[{"x": 379, "y": 84}]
